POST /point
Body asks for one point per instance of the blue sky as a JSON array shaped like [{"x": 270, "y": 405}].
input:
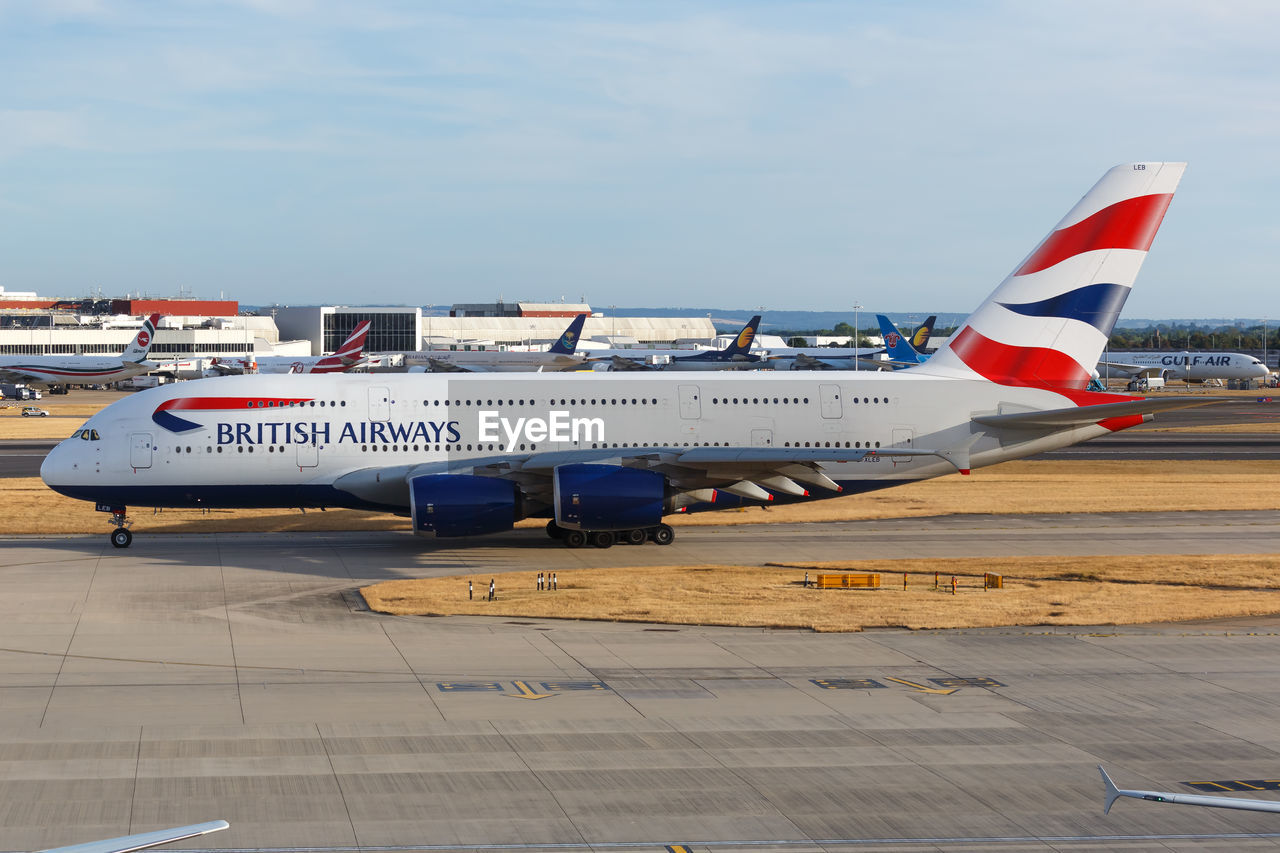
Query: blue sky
[{"x": 901, "y": 155}]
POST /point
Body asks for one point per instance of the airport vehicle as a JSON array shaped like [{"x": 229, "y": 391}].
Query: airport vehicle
[
  {"x": 559, "y": 356},
  {"x": 34, "y": 412},
  {"x": 143, "y": 840},
  {"x": 605, "y": 456},
  {"x": 1187, "y": 366},
  {"x": 346, "y": 357},
  {"x": 83, "y": 369},
  {"x": 736, "y": 356},
  {"x": 1112, "y": 793}
]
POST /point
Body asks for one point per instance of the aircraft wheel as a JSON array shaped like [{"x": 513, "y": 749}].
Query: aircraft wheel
[
  {"x": 635, "y": 537},
  {"x": 663, "y": 535},
  {"x": 603, "y": 539},
  {"x": 554, "y": 530},
  {"x": 574, "y": 538},
  {"x": 121, "y": 538}
]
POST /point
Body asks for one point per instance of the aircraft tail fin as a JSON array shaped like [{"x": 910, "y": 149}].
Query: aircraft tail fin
[
  {"x": 920, "y": 334},
  {"x": 568, "y": 342},
  {"x": 1112, "y": 792},
  {"x": 347, "y": 356},
  {"x": 140, "y": 347},
  {"x": 1047, "y": 323},
  {"x": 742, "y": 343},
  {"x": 897, "y": 346}
]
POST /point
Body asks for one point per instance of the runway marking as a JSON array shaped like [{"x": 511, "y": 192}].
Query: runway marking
[
  {"x": 967, "y": 682},
  {"x": 923, "y": 688},
  {"x": 467, "y": 686},
  {"x": 1237, "y": 785},
  {"x": 526, "y": 692},
  {"x": 847, "y": 683},
  {"x": 556, "y": 686}
]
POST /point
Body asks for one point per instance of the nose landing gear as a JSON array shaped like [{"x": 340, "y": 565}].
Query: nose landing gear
[{"x": 120, "y": 537}]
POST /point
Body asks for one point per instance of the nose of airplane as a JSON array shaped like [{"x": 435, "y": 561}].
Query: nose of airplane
[{"x": 52, "y": 468}]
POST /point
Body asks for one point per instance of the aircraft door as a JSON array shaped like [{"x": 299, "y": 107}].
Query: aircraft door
[
  {"x": 903, "y": 437},
  {"x": 829, "y": 396},
  {"x": 762, "y": 438},
  {"x": 308, "y": 455},
  {"x": 690, "y": 403},
  {"x": 379, "y": 403},
  {"x": 140, "y": 445}
]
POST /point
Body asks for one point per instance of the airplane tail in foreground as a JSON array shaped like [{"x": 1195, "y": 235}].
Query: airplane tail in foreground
[
  {"x": 347, "y": 356},
  {"x": 742, "y": 343},
  {"x": 140, "y": 347},
  {"x": 568, "y": 342},
  {"x": 1047, "y": 323}
]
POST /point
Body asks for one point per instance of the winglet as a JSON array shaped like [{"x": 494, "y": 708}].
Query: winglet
[{"x": 1112, "y": 792}]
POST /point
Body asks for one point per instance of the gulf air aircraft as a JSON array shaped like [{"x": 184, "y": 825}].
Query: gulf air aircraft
[
  {"x": 736, "y": 356},
  {"x": 83, "y": 369},
  {"x": 559, "y": 356},
  {"x": 346, "y": 357},
  {"x": 606, "y": 456},
  {"x": 1191, "y": 367}
]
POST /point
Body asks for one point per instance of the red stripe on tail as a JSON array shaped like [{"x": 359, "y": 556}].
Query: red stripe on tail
[
  {"x": 1010, "y": 365},
  {"x": 1128, "y": 224}
]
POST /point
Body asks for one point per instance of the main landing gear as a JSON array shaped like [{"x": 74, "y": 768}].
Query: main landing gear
[
  {"x": 662, "y": 534},
  {"x": 120, "y": 537}
]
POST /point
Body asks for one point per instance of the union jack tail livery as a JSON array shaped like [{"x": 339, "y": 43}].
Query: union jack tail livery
[
  {"x": 138, "y": 350},
  {"x": 1047, "y": 323},
  {"x": 347, "y": 356}
]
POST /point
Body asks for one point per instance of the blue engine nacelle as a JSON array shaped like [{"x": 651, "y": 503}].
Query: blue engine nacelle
[
  {"x": 462, "y": 504},
  {"x": 608, "y": 497}
]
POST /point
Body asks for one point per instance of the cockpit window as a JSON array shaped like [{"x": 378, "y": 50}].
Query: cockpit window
[
  {"x": 93, "y": 435},
  {"x": 88, "y": 435},
  {"x": 84, "y": 435}
]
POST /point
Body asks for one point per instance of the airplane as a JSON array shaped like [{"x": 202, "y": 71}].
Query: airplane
[
  {"x": 559, "y": 356},
  {"x": 346, "y": 357},
  {"x": 143, "y": 840},
  {"x": 736, "y": 356},
  {"x": 900, "y": 349},
  {"x": 1193, "y": 367},
  {"x": 1112, "y": 793},
  {"x": 83, "y": 369},
  {"x": 852, "y": 358},
  {"x": 920, "y": 334},
  {"x": 605, "y": 456}
]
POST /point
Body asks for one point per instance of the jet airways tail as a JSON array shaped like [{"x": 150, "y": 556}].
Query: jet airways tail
[
  {"x": 1069, "y": 291},
  {"x": 568, "y": 342},
  {"x": 347, "y": 356},
  {"x": 141, "y": 346},
  {"x": 921, "y": 334}
]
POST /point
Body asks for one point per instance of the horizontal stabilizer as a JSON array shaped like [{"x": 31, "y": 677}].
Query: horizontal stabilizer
[
  {"x": 143, "y": 840},
  {"x": 1051, "y": 419}
]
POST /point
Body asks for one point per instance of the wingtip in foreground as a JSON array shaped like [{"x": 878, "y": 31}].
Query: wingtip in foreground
[
  {"x": 143, "y": 840},
  {"x": 1112, "y": 793}
]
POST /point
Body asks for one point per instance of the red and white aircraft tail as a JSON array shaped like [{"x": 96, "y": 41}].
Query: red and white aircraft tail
[
  {"x": 1046, "y": 325},
  {"x": 140, "y": 347},
  {"x": 347, "y": 356}
]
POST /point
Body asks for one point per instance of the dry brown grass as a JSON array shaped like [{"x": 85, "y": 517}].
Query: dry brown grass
[
  {"x": 1038, "y": 591},
  {"x": 27, "y": 506}
]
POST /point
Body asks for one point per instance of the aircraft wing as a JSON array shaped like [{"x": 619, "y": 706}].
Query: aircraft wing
[
  {"x": 438, "y": 366},
  {"x": 1112, "y": 793},
  {"x": 1132, "y": 369},
  {"x": 16, "y": 377},
  {"x": 225, "y": 369},
  {"x": 618, "y": 362},
  {"x": 143, "y": 840},
  {"x": 1055, "y": 419},
  {"x": 743, "y": 471}
]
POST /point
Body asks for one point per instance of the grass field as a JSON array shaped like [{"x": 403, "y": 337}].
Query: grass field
[{"x": 1037, "y": 591}]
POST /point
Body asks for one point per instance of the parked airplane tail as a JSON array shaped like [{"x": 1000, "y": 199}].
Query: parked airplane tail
[
  {"x": 898, "y": 347},
  {"x": 920, "y": 334},
  {"x": 742, "y": 343},
  {"x": 140, "y": 347},
  {"x": 1069, "y": 290},
  {"x": 568, "y": 342},
  {"x": 347, "y": 356}
]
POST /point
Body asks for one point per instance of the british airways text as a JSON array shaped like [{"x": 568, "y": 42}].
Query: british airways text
[{"x": 322, "y": 432}]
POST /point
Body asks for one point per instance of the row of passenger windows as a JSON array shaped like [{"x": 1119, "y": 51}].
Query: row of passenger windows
[
  {"x": 458, "y": 448},
  {"x": 563, "y": 401},
  {"x": 280, "y": 404}
]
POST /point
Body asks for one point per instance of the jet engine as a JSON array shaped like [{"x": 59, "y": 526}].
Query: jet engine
[
  {"x": 608, "y": 497},
  {"x": 463, "y": 504}
]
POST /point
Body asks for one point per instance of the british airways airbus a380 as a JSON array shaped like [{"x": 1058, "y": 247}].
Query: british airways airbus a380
[{"x": 606, "y": 456}]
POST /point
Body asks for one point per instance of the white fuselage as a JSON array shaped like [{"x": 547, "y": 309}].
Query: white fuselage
[
  {"x": 495, "y": 361},
  {"x": 71, "y": 369},
  {"x": 286, "y": 441},
  {"x": 1189, "y": 366}
]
